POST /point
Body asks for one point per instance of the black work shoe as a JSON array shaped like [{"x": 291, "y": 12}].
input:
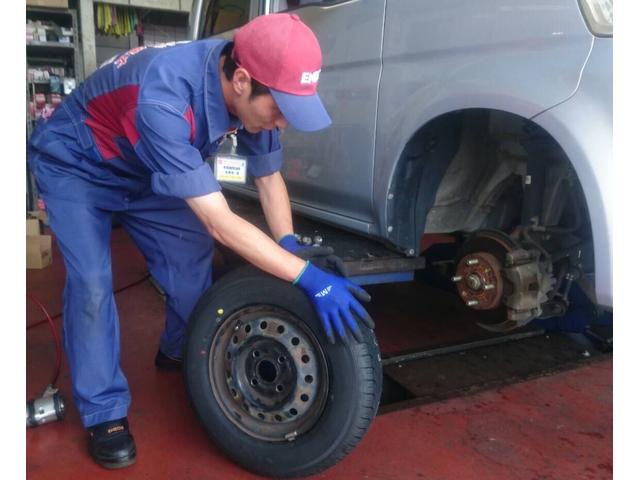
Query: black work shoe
[
  {"x": 111, "y": 445},
  {"x": 165, "y": 362}
]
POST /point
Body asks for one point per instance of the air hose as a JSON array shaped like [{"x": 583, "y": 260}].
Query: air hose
[{"x": 50, "y": 406}]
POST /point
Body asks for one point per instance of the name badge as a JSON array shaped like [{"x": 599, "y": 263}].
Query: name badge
[{"x": 231, "y": 168}]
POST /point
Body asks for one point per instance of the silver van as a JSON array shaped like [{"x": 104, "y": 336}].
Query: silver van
[
  {"x": 475, "y": 134},
  {"x": 484, "y": 125}
]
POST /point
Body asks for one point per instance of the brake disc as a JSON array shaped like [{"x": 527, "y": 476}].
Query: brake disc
[{"x": 494, "y": 271}]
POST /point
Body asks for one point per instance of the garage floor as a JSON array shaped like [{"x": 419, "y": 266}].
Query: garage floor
[{"x": 556, "y": 426}]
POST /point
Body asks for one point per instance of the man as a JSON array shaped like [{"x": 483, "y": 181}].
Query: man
[{"x": 131, "y": 141}]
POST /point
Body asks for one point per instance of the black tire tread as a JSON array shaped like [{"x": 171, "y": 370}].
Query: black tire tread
[
  {"x": 367, "y": 363},
  {"x": 369, "y": 404}
]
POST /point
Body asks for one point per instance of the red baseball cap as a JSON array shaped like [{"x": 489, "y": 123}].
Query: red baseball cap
[{"x": 282, "y": 53}]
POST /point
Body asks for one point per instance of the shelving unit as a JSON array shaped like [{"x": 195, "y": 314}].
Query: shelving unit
[{"x": 53, "y": 55}]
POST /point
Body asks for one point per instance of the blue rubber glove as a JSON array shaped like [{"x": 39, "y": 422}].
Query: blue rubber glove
[
  {"x": 322, "y": 256},
  {"x": 335, "y": 301},
  {"x": 290, "y": 243}
]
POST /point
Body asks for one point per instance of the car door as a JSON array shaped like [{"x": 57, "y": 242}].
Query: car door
[{"x": 330, "y": 173}]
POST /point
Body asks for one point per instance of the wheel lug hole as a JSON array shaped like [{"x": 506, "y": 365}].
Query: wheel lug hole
[
  {"x": 279, "y": 388},
  {"x": 305, "y": 358},
  {"x": 281, "y": 359},
  {"x": 304, "y": 397},
  {"x": 263, "y": 325},
  {"x": 261, "y": 416},
  {"x": 247, "y": 329},
  {"x": 293, "y": 411},
  {"x": 308, "y": 379},
  {"x": 278, "y": 418},
  {"x": 280, "y": 328},
  {"x": 295, "y": 341}
]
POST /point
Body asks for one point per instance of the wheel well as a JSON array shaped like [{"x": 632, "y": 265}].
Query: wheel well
[{"x": 472, "y": 169}]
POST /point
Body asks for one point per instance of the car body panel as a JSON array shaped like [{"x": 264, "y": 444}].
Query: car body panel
[
  {"x": 332, "y": 170},
  {"x": 583, "y": 126},
  {"x": 509, "y": 55},
  {"x": 330, "y": 173}
]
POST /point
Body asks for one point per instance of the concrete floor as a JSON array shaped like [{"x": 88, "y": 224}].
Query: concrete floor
[{"x": 555, "y": 427}]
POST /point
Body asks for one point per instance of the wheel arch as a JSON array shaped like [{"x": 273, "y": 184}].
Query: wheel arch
[
  {"x": 409, "y": 121},
  {"x": 586, "y": 139},
  {"x": 414, "y": 179}
]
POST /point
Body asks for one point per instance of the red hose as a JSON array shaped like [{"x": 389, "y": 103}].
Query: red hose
[
  {"x": 56, "y": 337},
  {"x": 48, "y": 318},
  {"x": 58, "y": 315}
]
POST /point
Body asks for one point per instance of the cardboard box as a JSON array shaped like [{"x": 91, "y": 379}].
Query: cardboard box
[
  {"x": 33, "y": 227},
  {"x": 40, "y": 215},
  {"x": 39, "y": 253},
  {"x": 48, "y": 3}
]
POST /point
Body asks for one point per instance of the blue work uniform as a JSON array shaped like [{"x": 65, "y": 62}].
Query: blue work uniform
[{"x": 132, "y": 141}]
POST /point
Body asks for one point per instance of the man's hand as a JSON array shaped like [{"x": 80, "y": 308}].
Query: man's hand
[
  {"x": 335, "y": 301},
  {"x": 321, "y": 256},
  {"x": 290, "y": 243}
]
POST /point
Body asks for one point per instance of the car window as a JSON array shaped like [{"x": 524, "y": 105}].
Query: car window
[
  {"x": 284, "y": 5},
  {"x": 223, "y": 15}
]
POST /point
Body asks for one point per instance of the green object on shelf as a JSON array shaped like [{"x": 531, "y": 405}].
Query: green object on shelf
[{"x": 115, "y": 20}]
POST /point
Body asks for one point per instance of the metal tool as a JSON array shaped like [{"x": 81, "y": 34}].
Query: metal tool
[{"x": 47, "y": 408}]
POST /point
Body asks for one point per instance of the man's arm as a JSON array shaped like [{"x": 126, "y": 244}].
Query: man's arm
[
  {"x": 277, "y": 210},
  {"x": 335, "y": 299},
  {"x": 275, "y": 204},
  {"x": 245, "y": 239}
]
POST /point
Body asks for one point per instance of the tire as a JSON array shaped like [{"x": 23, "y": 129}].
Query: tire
[{"x": 324, "y": 395}]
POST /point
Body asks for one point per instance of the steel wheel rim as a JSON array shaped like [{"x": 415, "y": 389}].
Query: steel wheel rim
[{"x": 268, "y": 373}]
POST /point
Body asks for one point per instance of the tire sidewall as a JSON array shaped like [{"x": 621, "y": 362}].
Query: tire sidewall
[{"x": 343, "y": 407}]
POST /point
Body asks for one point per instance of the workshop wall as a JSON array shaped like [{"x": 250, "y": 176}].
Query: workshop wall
[{"x": 107, "y": 46}]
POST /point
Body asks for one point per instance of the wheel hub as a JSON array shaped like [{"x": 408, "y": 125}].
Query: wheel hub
[
  {"x": 269, "y": 369},
  {"x": 272, "y": 378},
  {"x": 478, "y": 280}
]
